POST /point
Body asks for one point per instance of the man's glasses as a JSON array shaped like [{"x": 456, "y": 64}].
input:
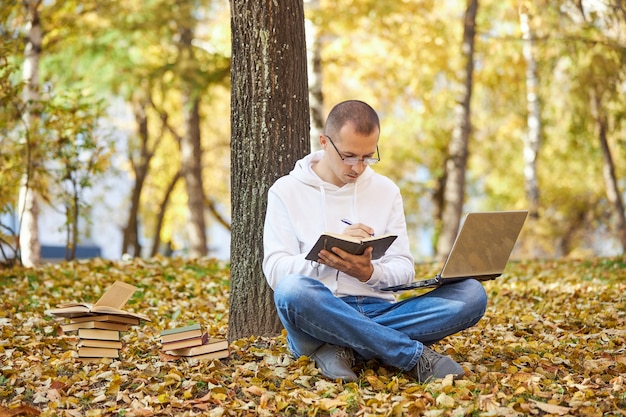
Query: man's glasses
[{"x": 353, "y": 160}]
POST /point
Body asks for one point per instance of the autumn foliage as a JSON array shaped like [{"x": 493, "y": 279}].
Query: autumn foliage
[{"x": 553, "y": 342}]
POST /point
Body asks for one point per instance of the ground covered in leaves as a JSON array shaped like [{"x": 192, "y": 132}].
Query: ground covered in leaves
[{"x": 553, "y": 342}]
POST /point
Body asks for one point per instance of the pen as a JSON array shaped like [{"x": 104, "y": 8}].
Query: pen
[{"x": 349, "y": 223}]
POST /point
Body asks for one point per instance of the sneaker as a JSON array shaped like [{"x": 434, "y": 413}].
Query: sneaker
[
  {"x": 335, "y": 362},
  {"x": 433, "y": 365}
]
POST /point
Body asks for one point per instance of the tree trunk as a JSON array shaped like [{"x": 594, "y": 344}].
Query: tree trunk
[
  {"x": 190, "y": 145},
  {"x": 30, "y": 247},
  {"x": 75, "y": 212},
  {"x": 161, "y": 215},
  {"x": 140, "y": 161},
  {"x": 270, "y": 131},
  {"x": 533, "y": 137},
  {"x": 608, "y": 168},
  {"x": 212, "y": 205},
  {"x": 454, "y": 189},
  {"x": 191, "y": 166},
  {"x": 316, "y": 97}
]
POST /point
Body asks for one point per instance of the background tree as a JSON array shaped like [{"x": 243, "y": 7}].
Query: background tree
[
  {"x": 454, "y": 185},
  {"x": 270, "y": 131},
  {"x": 77, "y": 155},
  {"x": 315, "y": 73},
  {"x": 532, "y": 138},
  {"x": 169, "y": 72},
  {"x": 48, "y": 135},
  {"x": 11, "y": 166},
  {"x": 402, "y": 57},
  {"x": 599, "y": 79},
  {"x": 28, "y": 206}
]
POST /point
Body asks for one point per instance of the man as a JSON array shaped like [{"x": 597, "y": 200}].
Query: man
[{"x": 334, "y": 307}]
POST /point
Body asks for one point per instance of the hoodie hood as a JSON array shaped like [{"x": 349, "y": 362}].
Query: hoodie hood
[{"x": 303, "y": 172}]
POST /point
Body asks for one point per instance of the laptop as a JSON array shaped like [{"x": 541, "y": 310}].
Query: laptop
[{"x": 481, "y": 249}]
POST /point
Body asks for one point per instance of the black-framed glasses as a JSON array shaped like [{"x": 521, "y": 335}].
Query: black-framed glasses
[{"x": 353, "y": 160}]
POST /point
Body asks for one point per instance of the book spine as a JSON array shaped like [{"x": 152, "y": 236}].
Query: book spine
[
  {"x": 177, "y": 330},
  {"x": 99, "y": 334},
  {"x": 181, "y": 336}
]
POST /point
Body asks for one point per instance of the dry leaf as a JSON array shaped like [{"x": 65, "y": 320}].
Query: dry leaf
[
  {"x": 546, "y": 334},
  {"x": 22, "y": 410},
  {"x": 551, "y": 408}
]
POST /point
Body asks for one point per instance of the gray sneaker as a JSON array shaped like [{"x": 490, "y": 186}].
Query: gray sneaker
[
  {"x": 433, "y": 365},
  {"x": 335, "y": 362}
]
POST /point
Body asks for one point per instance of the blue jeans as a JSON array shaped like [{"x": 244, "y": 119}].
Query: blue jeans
[{"x": 394, "y": 332}]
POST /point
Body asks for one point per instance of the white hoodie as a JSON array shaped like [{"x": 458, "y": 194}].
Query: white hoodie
[{"x": 301, "y": 206}]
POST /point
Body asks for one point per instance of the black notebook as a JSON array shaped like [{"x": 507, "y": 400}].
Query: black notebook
[{"x": 351, "y": 244}]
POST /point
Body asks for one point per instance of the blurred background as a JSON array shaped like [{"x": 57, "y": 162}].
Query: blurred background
[{"x": 107, "y": 108}]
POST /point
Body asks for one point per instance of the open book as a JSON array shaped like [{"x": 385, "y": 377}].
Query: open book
[
  {"x": 110, "y": 303},
  {"x": 351, "y": 244}
]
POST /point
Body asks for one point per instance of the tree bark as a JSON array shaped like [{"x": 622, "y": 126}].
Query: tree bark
[
  {"x": 316, "y": 96},
  {"x": 30, "y": 247},
  {"x": 140, "y": 161},
  {"x": 608, "y": 168},
  {"x": 454, "y": 189},
  {"x": 191, "y": 166},
  {"x": 269, "y": 132},
  {"x": 533, "y": 137},
  {"x": 161, "y": 215},
  {"x": 212, "y": 205},
  {"x": 190, "y": 146}
]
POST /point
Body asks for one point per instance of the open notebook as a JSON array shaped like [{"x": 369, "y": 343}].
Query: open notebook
[{"x": 481, "y": 249}]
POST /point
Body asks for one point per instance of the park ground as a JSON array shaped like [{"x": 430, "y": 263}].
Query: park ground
[{"x": 553, "y": 342}]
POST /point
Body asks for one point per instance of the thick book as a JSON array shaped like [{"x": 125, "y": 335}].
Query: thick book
[
  {"x": 105, "y": 317},
  {"x": 70, "y": 310},
  {"x": 111, "y": 344},
  {"x": 110, "y": 303},
  {"x": 100, "y": 334},
  {"x": 220, "y": 354},
  {"x": 185, "y": 343},
  {"x": 351, "y": 244},
  {"x": 181, "y": 333},
  {"x": 97, "y": 352},
  {"x": 212, "y": 345},
  {"x": 72, "y": 327}
]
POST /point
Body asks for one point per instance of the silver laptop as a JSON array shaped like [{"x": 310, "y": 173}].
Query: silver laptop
[{"x": 481, "y": 249}]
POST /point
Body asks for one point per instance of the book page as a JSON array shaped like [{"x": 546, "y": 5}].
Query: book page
[
  {"x": 117, "y": 295},
  {"x": 118, "y": 312},
  {"x": 87, "y": 306}
]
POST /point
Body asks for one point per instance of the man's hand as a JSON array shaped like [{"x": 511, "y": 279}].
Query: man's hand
[
  {"x": 359, "y": 230},
  {"x": 358, "y": 266}
]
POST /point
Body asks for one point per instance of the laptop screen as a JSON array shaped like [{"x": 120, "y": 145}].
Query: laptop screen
[{"x": 484, "y": 244}]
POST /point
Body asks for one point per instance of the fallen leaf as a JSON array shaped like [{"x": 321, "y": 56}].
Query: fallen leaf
[
  {"x": 551, "y": 408},
  {"x": 22, "y": 410}
]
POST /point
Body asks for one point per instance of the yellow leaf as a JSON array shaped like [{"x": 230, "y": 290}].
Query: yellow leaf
[
  {"x": 445, "y": 400},
  {"x": 551, "y": 408},
  {"x": 255, "y": 390},
  {"x": 327, "y": 404},
  {"x": 219, "y": 396},
  {"x": 376, "y": 383}
]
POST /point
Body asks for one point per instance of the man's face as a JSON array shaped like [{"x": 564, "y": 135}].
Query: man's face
[{"x": 348, "y": 144}]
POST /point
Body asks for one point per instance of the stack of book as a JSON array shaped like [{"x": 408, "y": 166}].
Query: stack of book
[
  {"x": 192, "y": 343},
  {"x": 99, "y": 336},
  {"x": 99, "y": 325}
]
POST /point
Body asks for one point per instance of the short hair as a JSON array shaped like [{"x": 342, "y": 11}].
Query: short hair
[{"x": 360, "y": 114}]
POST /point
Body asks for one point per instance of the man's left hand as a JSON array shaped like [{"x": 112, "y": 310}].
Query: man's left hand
[{"x": 358, "y": 266}]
